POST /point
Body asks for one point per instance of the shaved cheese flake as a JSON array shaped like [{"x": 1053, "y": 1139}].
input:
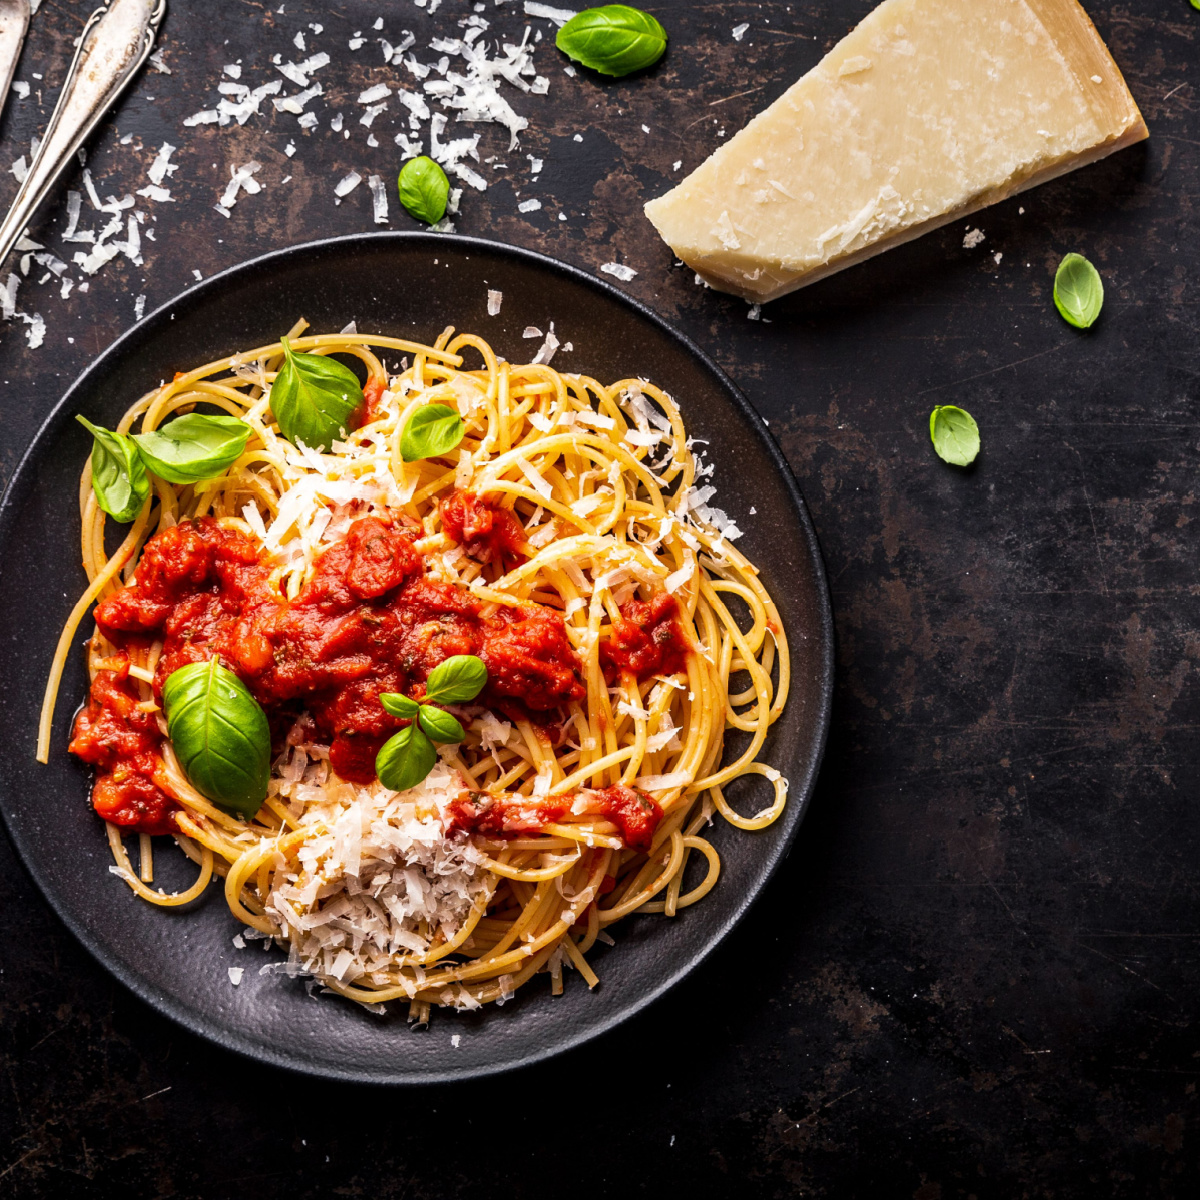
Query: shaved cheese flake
[
  {"x": 663, "y": 783},
  {"x": 536, "y": 481},
  {"x": 494, "y": 300},
  {"x": 618, "y": 271}
]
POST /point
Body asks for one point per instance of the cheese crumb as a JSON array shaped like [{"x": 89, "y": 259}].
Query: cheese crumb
[
  {"x": 493, "y": 302},
  {"x": 739, "y": 31},
  {"x": 618, "y": 271},
  {"x": 235, "y": 975},
  {"x": 973, "y": 238}
]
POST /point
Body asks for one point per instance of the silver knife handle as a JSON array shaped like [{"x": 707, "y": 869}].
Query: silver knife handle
[{"x": 116, "y": 41}]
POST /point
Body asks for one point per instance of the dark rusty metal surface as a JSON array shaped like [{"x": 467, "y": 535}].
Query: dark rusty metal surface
[{"x": 977, "y": 974}]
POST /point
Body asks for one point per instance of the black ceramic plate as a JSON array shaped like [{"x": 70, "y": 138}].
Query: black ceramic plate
[{"x": 177, "y": 960}]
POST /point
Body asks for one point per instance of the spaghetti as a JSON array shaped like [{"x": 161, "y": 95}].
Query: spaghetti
[{"x": 567, "y": 541}]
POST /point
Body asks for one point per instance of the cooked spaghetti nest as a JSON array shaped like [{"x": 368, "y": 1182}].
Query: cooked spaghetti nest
[{"x": 608, "y": 487}]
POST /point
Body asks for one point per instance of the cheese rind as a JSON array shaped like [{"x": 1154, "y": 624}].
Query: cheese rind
[{"x": 928, "y": 111}]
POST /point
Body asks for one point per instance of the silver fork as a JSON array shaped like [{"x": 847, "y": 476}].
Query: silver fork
[{"x": 116, "y": 41}]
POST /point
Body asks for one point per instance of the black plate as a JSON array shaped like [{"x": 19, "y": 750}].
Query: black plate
[{"x": 405, "y": 285}]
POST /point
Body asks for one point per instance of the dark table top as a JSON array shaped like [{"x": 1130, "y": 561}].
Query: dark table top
[{"x": 976, "y": 975}]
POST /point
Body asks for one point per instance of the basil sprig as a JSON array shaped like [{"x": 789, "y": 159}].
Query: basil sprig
[
  {"x": 613, "y": 39},
  {"x": 118, "y": 475},
  {"x": 193, "y": 447},
  {"x": 431, "y": 431},
  {"x": 954, "y": 434},
  {"x": 220, "y": 735},
  {"x": 1078, "y": 291},
  {"x": 407, "y": 757},
  {"x": 315, "y": 398},
  {"x": 424, "y": 189}
]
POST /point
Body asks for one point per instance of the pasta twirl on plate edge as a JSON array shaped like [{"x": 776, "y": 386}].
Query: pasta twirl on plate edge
[{"x": 564, "y": 540}]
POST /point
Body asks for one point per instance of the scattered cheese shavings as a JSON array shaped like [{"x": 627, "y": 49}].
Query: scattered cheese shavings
[
  {"x": 347, "y": 184},
  {"x": 378, "y": 92},
  {"x": 618, "y": 271},
  {"x": 739, "y": 31},
  {"x": 527, "y": 206},
  {"x": 973, "y": 238},
  {"x": 235, "y": 975},
  {"x": 494, "y": 300},
  {"x": 379, "y": 200},
  {"x": 162, "y": 166},
  {"x": 685, "y": 574},
  {"x": 547, "y": 348},
  {"x": 241, "y": 179},
  {"x": 663, "y": 783},
  {"x": 560, "y": 16}
]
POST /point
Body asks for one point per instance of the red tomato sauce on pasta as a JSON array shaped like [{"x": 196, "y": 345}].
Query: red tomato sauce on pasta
[
  {"x": 368, "y": 621},
  {"x": 484, "y": 529},
  {"x": 633, "y": 812},
  {"x": 648, "y": 640}
]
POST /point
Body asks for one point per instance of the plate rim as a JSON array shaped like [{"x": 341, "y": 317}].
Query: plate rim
[{"x": 191, "y": 1019}]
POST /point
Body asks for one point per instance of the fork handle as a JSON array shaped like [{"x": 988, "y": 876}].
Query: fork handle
[{"x": 115, "y": 42}]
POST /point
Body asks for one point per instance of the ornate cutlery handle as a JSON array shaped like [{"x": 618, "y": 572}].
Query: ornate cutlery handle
[{"x": 116, "y": 41}]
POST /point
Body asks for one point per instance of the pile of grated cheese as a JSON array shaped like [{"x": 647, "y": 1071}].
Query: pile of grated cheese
[{"x": 378, "y": 877}]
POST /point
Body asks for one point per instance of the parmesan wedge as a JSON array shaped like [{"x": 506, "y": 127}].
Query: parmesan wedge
[{"x": 928, "y": 111}]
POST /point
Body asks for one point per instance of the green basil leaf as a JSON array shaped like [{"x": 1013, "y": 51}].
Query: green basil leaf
[
  {"x": 314, "y": 398},
  {"x": 457, "y": 680},
  {"x": 423, "y": 189},
  {"x": 220, "y": 735},
  {"x": 613, "y": 39},
  {"x": 954, "y": 434},
  {"x": 118, "y": 475},
  {"x": 405, "y": 759},
  {"x": 1078, "y": 291},
  {"x": 440, "y": 725},
  {"x": 398, "y": 705},
  {"x": 193, "y": 447},
  {"x": 431, "y": 431}
]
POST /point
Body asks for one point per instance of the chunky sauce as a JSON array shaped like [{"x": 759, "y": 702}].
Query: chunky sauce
[
  {"x": 648, "y": 640},
  {"x": 633, "y": 812},
  {"x": 368, "y": 621},
  {"x": 484, "y": 529}
]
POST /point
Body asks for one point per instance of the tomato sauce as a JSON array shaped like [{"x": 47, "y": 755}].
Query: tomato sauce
[
  {"x": 634, "y": 813},
  {"x": 487, "y": 531},
  {"x": 368, "y": 621},
  {"x": 122, "y": 743},
  {"x": 647, "y": 640},
  {"x": 373, "y": 391}
]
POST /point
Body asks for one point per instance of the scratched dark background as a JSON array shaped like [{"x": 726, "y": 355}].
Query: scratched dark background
[{"x": 977, "y": 974}]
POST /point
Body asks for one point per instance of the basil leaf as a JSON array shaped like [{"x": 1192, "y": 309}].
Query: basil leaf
[
  {"x": 405, "y": 759},
  {"x": 193, "y": 447},
  {"x": 440, "y": 725},
  {"x": 954, "y": 434},
  {"x": 423, "y": 189},
  {"x": 431, "y": 431},
  {"x": 220, "y": 735},
  {"x": 613, "y": 39},
  {"x": 314, "y": 398},
  {"x": 118, "y": 476},
  {"x": 457, "y": 680},
  {"x": 1078, "y": 291},
  {"x": 398, "y": 705}
]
